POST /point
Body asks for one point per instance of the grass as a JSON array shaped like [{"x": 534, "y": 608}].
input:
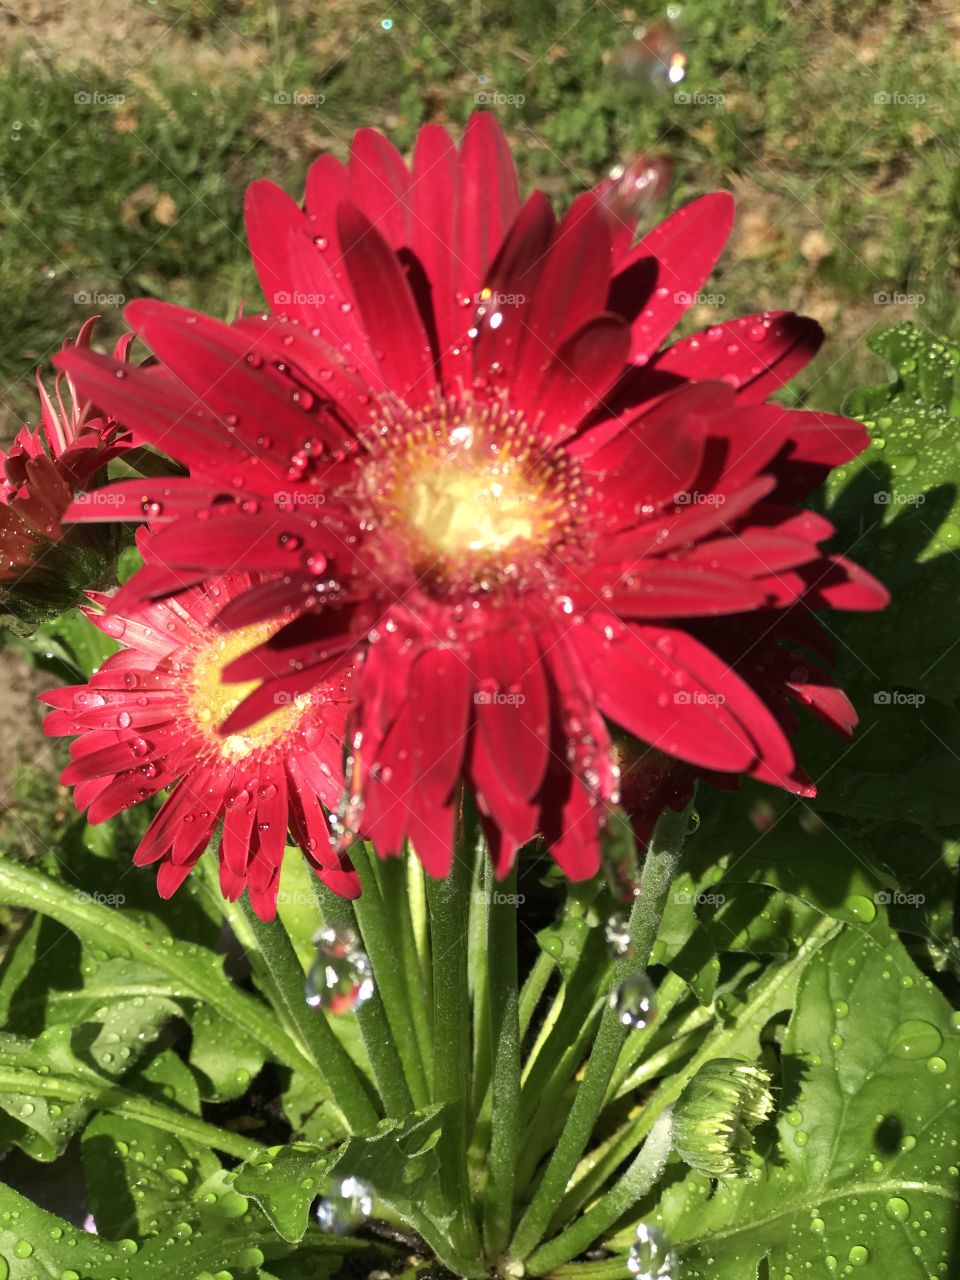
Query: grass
[{"x": 138, "y": 189}]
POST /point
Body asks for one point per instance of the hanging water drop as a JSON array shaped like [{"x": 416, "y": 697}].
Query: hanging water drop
[
  {"x": 651, "y": 1257},
  {"x": 349, "y": 1201},
  {"x": 340, "y": 979},
  {"x": 634, "y": 1001},
  {"x": 617, "y": 933}
]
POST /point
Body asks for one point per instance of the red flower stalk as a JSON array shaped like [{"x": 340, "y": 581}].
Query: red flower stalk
[
  {"x": 462, "y": 451},
  {"x": 44, "y": 568},
  {"x": 148, "y": 720}
]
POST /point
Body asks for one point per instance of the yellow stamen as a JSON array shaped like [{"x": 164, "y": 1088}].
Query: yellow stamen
[{"x": 210, "y": 701}]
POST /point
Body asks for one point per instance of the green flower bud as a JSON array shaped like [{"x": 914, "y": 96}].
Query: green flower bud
[{"x": 714, "y": 1118}]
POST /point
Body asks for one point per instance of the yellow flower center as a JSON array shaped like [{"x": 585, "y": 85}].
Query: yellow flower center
[
  {"x": 467, "y": 493},
  {"x": 210, "y": 701}
]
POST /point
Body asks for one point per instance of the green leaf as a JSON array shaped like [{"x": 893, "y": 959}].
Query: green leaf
[
  {"x": 195, "y": 970},
  {"x": 218, "y": 1231},
  {"x": 71, "y": 644},
  {"x": 398, "y": 1161},
  {"x": 867, "y": 1123},
  {"x": 35, "y": 1244},
  {"x": 897, "y": 506}
]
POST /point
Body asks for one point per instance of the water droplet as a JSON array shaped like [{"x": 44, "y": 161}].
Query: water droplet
[
  {"x": 898, "y": 1209},
  {"x": 858, "y": 1256},
  {"x": 914, "y": 1039},
  {"x": 22, "y": 1249},
  {"x": 651, "y": 1257},
  {"x": 340, "y": 978},
  {"x": 617, "y": 933},
  {"x": 348, "y": 1202},
  {"x": 634, "y": 1001}
]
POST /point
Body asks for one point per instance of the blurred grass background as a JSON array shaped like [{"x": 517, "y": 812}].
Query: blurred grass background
[{"x": 130, "y": 128}]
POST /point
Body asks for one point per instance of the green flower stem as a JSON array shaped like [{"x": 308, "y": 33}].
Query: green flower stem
[
  {"x": 101, "y": 1096},
  {"x": 346, "y": 1084},
  {"x": 548, "y": 1112},
  {"x": 478, "y": 983},
  {"x": 533, "y": 988},
  {"x": 504, "y": 1031},
  {"x": 380, "y": 943},
  {"x": 585, "y": 1185},
  {"x": 449, "y": 907},
  {"x": 371, "y": 1016},
  {"x": 659, "y": 870},
  {"x": 637, "y": 1181},
  {"x": 397, "y": 901}
]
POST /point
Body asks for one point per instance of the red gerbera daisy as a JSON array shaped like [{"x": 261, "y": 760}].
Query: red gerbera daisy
[
  {"x": 148, "y": 720},
  {"x": 44, "y": 568},
  {"x": 458, "y": 446}
]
